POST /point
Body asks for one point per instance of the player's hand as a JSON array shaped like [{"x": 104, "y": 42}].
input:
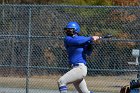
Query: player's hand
[{"x": 95, "y": 38}]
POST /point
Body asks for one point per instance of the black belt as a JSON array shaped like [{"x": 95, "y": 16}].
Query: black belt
[{"x": 77, "y": 64}]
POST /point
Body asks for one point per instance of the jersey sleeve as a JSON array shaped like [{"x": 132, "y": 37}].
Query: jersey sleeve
[{"x": 79, "y": 40}]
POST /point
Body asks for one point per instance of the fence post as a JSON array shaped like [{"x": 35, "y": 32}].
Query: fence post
[{"x": 29, "y": 48}]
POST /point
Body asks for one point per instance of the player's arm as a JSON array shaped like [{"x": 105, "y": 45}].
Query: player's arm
[
  {"x": 90, "y": 44},
  {"x": 78, "y": 40}
]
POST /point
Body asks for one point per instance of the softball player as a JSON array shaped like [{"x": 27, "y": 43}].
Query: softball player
[{"x": 78, "y": 47}]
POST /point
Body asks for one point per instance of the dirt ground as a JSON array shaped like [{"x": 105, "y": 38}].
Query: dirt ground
[{"x": 96, "y": 83}]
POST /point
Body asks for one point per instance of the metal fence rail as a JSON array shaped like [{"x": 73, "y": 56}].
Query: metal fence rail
[{"x": 31, "y": 44}]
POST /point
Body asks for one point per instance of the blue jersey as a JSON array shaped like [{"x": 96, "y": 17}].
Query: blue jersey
[{"x": 76, "y": 47}]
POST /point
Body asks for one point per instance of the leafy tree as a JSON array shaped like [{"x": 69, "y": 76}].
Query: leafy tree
[{"x": 75, "y": 2}]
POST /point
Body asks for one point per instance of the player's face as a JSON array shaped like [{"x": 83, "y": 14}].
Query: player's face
[{"x": 69, "y": 32}]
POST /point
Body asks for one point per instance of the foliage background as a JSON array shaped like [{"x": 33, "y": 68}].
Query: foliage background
[{"x": 76, "y": 2}]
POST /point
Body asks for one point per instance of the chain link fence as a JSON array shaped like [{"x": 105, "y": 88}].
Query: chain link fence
[{"x": 32, "y": 56}]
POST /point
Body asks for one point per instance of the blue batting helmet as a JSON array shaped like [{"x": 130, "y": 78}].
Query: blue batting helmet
[{"x": 73, "y": 25}]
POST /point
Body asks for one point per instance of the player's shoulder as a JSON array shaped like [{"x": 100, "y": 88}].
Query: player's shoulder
[
  {"x": 73, "y": 37},
  {"x": 78, "y": 36},
  {"x": 67, "y": 37}
]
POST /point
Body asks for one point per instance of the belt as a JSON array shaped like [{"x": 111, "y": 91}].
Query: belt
[{"x": 77, "y": 64}]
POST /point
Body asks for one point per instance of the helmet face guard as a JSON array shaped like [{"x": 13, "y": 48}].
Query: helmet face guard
[
  {"x": 69, "y": 31},
  {"x": 66, "y": 29}
]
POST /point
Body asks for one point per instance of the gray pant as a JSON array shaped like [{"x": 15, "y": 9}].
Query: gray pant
[{"x": 76, "y": 76}]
